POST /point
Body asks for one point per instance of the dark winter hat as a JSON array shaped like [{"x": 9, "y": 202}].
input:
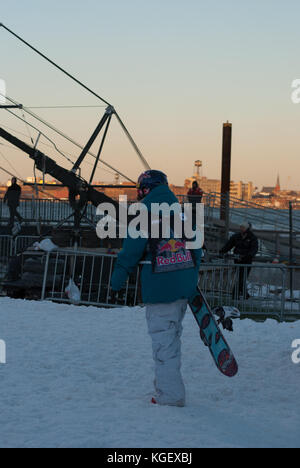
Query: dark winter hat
[{"x": 149, "y": 180}]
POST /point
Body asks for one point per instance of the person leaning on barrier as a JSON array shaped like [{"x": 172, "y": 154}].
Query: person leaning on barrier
[
  {"x": 245, "y": 245},
  {"x": 12, "y": 198}
]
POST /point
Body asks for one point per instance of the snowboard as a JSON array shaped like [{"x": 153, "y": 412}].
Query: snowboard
[{"x": 212, "y": 336}]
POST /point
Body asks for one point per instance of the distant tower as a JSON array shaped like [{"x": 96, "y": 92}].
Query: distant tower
[
  {"x": 198, "y": 166},
  {"x": 277, "y": 188},
  {"x": 117, "y": 179}
]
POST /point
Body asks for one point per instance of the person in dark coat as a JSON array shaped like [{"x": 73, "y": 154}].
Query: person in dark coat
[
  {"x": 195, "y": 194},
  {"x": 245, "y": 245},
  {"x": 12, "y": 198}
]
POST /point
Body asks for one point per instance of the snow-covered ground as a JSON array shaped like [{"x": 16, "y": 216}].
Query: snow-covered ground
[{"x": 82, "y": 377}]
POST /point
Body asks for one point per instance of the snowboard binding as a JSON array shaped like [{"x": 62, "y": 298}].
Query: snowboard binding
[{"x": 225, "y": 315}]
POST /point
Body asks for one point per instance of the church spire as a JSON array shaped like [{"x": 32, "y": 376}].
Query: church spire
[{"x": 277, "y": 188}]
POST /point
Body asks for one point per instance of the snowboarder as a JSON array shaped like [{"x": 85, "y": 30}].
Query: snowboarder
[
  {"x": 12, "y": 198},
  {"x": 166, "y": 287},
  {"x": 245, "y": 246}
]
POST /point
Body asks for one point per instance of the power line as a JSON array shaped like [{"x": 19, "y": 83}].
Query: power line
[
  {"x": 45, "y": 136},
  {"x": 55, "y": 64},
  {"x": 48, "y": 146},
  {"x": 145, "y": 163},
  {"x": 64, "y": 107},
  {"x": 8, "y": 162},
  {"x": 47, "y": 124},
  {"x": 27, "y": 126}
]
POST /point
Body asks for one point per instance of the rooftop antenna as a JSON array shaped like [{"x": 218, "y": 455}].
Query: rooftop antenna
[{"x": 198, "y": 167}]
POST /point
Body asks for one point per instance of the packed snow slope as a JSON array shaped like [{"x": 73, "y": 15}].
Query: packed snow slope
[{"x": 82, "y": 377}]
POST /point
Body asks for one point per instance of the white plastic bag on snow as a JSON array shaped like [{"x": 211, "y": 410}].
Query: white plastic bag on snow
[{"x": 73, "y": 292}]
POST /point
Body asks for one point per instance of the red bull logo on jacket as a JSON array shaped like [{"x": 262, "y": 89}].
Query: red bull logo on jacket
[
  {"x": 177, "y": 258},
  {"x": 172, "y": 246},
  {"x": 172, "y": 255}
]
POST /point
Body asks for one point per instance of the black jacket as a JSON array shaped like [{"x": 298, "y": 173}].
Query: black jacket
[
  {"x": 245, "y": 245},
  {"x": 12, "y": 196}
]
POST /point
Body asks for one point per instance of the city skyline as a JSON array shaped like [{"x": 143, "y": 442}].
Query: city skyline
[
  {"x": 189, "y": 179},
  {"x": 175, "y": 72},
  {"x": 30, "y": 178}
]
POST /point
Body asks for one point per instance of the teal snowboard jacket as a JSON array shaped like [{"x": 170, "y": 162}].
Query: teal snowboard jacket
[{"x": 164, "y": 287}]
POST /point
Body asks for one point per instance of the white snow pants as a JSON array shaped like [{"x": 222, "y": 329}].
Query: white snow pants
[{"x": 165, "y": 328}]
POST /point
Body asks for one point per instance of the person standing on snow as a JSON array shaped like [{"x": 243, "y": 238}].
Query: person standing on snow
[
  {"x": 12, "y": 198},
  {"x": 166, "y": 287}
]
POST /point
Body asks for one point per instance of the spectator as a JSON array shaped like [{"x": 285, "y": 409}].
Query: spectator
[
  {"x": 195, "y": 194},
  {"x": 245, "y": 245},
  {"x": 12, "y": 198}
]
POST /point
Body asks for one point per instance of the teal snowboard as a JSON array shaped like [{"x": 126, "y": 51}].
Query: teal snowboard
[{"x": 212, "y": 336}]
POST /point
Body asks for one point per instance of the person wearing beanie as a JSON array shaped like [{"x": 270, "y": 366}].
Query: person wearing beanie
[{"x": 169, "y": 277}]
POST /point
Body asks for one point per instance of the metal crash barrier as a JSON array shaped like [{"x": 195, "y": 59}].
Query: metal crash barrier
[
  {"x": 262, "y": 290},
  {"x": 47, "y": 211},
  {"x": 265, "y": 290},
  {"x": 6, "y": 251},
  {"x": 10, "y": 246},
  {"x": 91, "y": 273},
  {"x": 256, "y": 290}
]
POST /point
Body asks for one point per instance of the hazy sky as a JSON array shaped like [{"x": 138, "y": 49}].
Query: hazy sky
[{"x": 174, "y": 70}]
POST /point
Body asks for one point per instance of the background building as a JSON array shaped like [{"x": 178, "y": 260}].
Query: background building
[{"x": 241, "y": 190}]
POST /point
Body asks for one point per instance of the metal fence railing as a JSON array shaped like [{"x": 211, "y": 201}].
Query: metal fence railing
[
  {"x": 46, "y": 211},
  {"x": 266, "y": 290},
  {"x": 259, "y": 289},
  {"x": 244, "y": 210},
  {"x": 10, "y": 246},
  {"x": 21, "y": 243},
  {"x": 6, "y": 251},
  {"x": 270, "y": 225},
  {"x": 91, "y": 273},
  {"x": 54, "y": 210}
]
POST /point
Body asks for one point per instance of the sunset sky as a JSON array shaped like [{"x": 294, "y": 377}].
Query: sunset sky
[{"x": 174, "y": 70}]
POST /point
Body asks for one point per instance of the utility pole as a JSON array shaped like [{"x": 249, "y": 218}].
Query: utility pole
[
  {"x": 291, "y": 262},
  {"x": 226, "y": 173}
]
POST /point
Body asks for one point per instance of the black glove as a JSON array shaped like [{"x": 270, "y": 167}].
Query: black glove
[{"x": 224, "y": 255}]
